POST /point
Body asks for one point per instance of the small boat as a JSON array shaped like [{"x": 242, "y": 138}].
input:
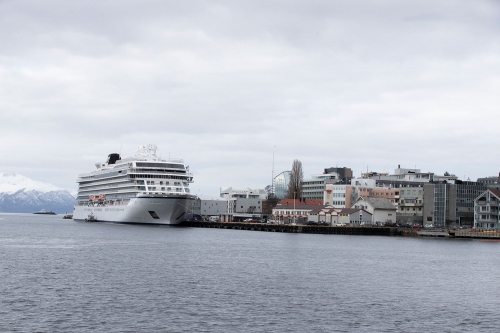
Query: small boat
[
  {"x": 45, "y": 212},
  {"x": 68, "y": 216},
  {"x": 91, "y": 218}
]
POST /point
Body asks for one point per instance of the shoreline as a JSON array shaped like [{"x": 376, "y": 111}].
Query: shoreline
[{"x": 348, "y": 230}]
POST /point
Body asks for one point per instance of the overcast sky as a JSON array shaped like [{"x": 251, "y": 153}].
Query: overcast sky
[{"x": 224, "y": 84}]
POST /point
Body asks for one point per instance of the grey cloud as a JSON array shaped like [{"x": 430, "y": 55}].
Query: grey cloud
[{"x": 220, "y": 83}]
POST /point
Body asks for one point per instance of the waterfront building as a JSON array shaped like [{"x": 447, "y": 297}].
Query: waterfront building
[
  {"x": 281, "y": 182},
  {"x": 450, "y": 205},
  {"x": 243, "y": 201},
  {"x": 486, "y": 210},
  {"x": 290, "y": 210},
  {"x": 210, "y": 206},
  {"x": 326, "y": 214},
  {"x": 411, "y": 205},
  {"x": 340, "y": 216},
  {"x": 382, "y": 209},
  {"x": 354, "y": 216},
  {"x": 343, "y": 195}
]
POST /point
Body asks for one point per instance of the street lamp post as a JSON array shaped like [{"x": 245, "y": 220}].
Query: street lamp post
[{"x": 294, "y": 211}]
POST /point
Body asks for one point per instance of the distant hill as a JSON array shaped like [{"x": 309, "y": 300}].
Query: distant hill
[{"x": 20, "y": 194}]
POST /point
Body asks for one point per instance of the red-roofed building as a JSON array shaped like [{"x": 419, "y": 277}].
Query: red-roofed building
[{"x": 290, "y": 210}]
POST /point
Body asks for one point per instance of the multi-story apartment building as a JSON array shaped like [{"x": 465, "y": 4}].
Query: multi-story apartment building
[
  {"x": 314, "y": 188},
  {"x": 490, "y": 182},
  {"x": 486, "y": 210},
  {"x": 411, "y": 205},
  {"x": 243, "y": 201},
  {"x": 451, "y": 205},
  {"x": 342, "y": 195},
  {"x": 338, "y": 195}
]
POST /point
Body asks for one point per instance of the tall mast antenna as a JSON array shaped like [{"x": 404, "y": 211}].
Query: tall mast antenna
[{"x": 272, "y": 175}]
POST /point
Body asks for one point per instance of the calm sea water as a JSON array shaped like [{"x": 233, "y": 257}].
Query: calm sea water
[{"x": 61, "y": 275}]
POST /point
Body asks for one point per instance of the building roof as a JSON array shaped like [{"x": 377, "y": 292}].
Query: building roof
[
  {"x": 350, "y": 211},
  {"x": 378, "y": 203},
  {"x": 211, "y": 197},
  {"x": 326, "y": 209},
  {"x": 495, "y": 192},
  {"x": 298, "y": 201},
  {"x": 303, "y": 205}
]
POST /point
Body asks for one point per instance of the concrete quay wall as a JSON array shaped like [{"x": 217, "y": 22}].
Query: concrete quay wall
[
  {"x": 361, "y": 231},
  {"x": 305, "y": 229}
]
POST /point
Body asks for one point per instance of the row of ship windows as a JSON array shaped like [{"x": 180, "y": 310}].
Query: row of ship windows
[
  {"x": 152, "y": 182},
  {"x": 125, "y": 180},
  {"x": 153, "y": 188},
  {"x": 160, "y": 177},
  {"x": 128, "y": 187},
  {"x": 108, "y": 189}
]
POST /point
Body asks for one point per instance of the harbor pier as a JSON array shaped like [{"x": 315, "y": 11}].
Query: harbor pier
[
  {"x": 304, "y": 229},
  {"x": 348, "y": 230}
]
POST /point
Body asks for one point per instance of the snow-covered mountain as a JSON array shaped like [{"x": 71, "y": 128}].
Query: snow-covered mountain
[{"x": 19, "y": 194}]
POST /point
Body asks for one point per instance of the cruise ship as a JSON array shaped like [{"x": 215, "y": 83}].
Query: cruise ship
[{"x": 143, "y": 189}]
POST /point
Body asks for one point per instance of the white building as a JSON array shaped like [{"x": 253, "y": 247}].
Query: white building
[
  {"x": 338, "y": 195},
  {"x": 404, "y": 175},
  {"x": 247, "y": 193},
  {"x": 243, "y": 201},
  {"x": 212, "y": 206},
  {"x": 382, "y": 209},
  {"x": 486, "y": 210}
]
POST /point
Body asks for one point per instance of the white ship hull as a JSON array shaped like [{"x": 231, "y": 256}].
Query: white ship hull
[{"x": 160, "y": 210}]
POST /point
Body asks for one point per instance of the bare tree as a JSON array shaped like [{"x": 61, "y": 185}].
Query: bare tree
[{"x": 296, "y": 177}]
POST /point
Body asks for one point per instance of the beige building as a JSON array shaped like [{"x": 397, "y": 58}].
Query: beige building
[{"x": 411, "y": 205}]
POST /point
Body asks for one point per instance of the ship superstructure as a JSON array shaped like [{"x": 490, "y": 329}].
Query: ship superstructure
[{"x": 139, "y": 189}]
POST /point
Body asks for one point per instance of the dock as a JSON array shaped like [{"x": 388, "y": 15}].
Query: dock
[
  {"x": 476, "y": 234},
  {"x": 303, "y": 229},
  {"x": 485, "y": 235}
]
